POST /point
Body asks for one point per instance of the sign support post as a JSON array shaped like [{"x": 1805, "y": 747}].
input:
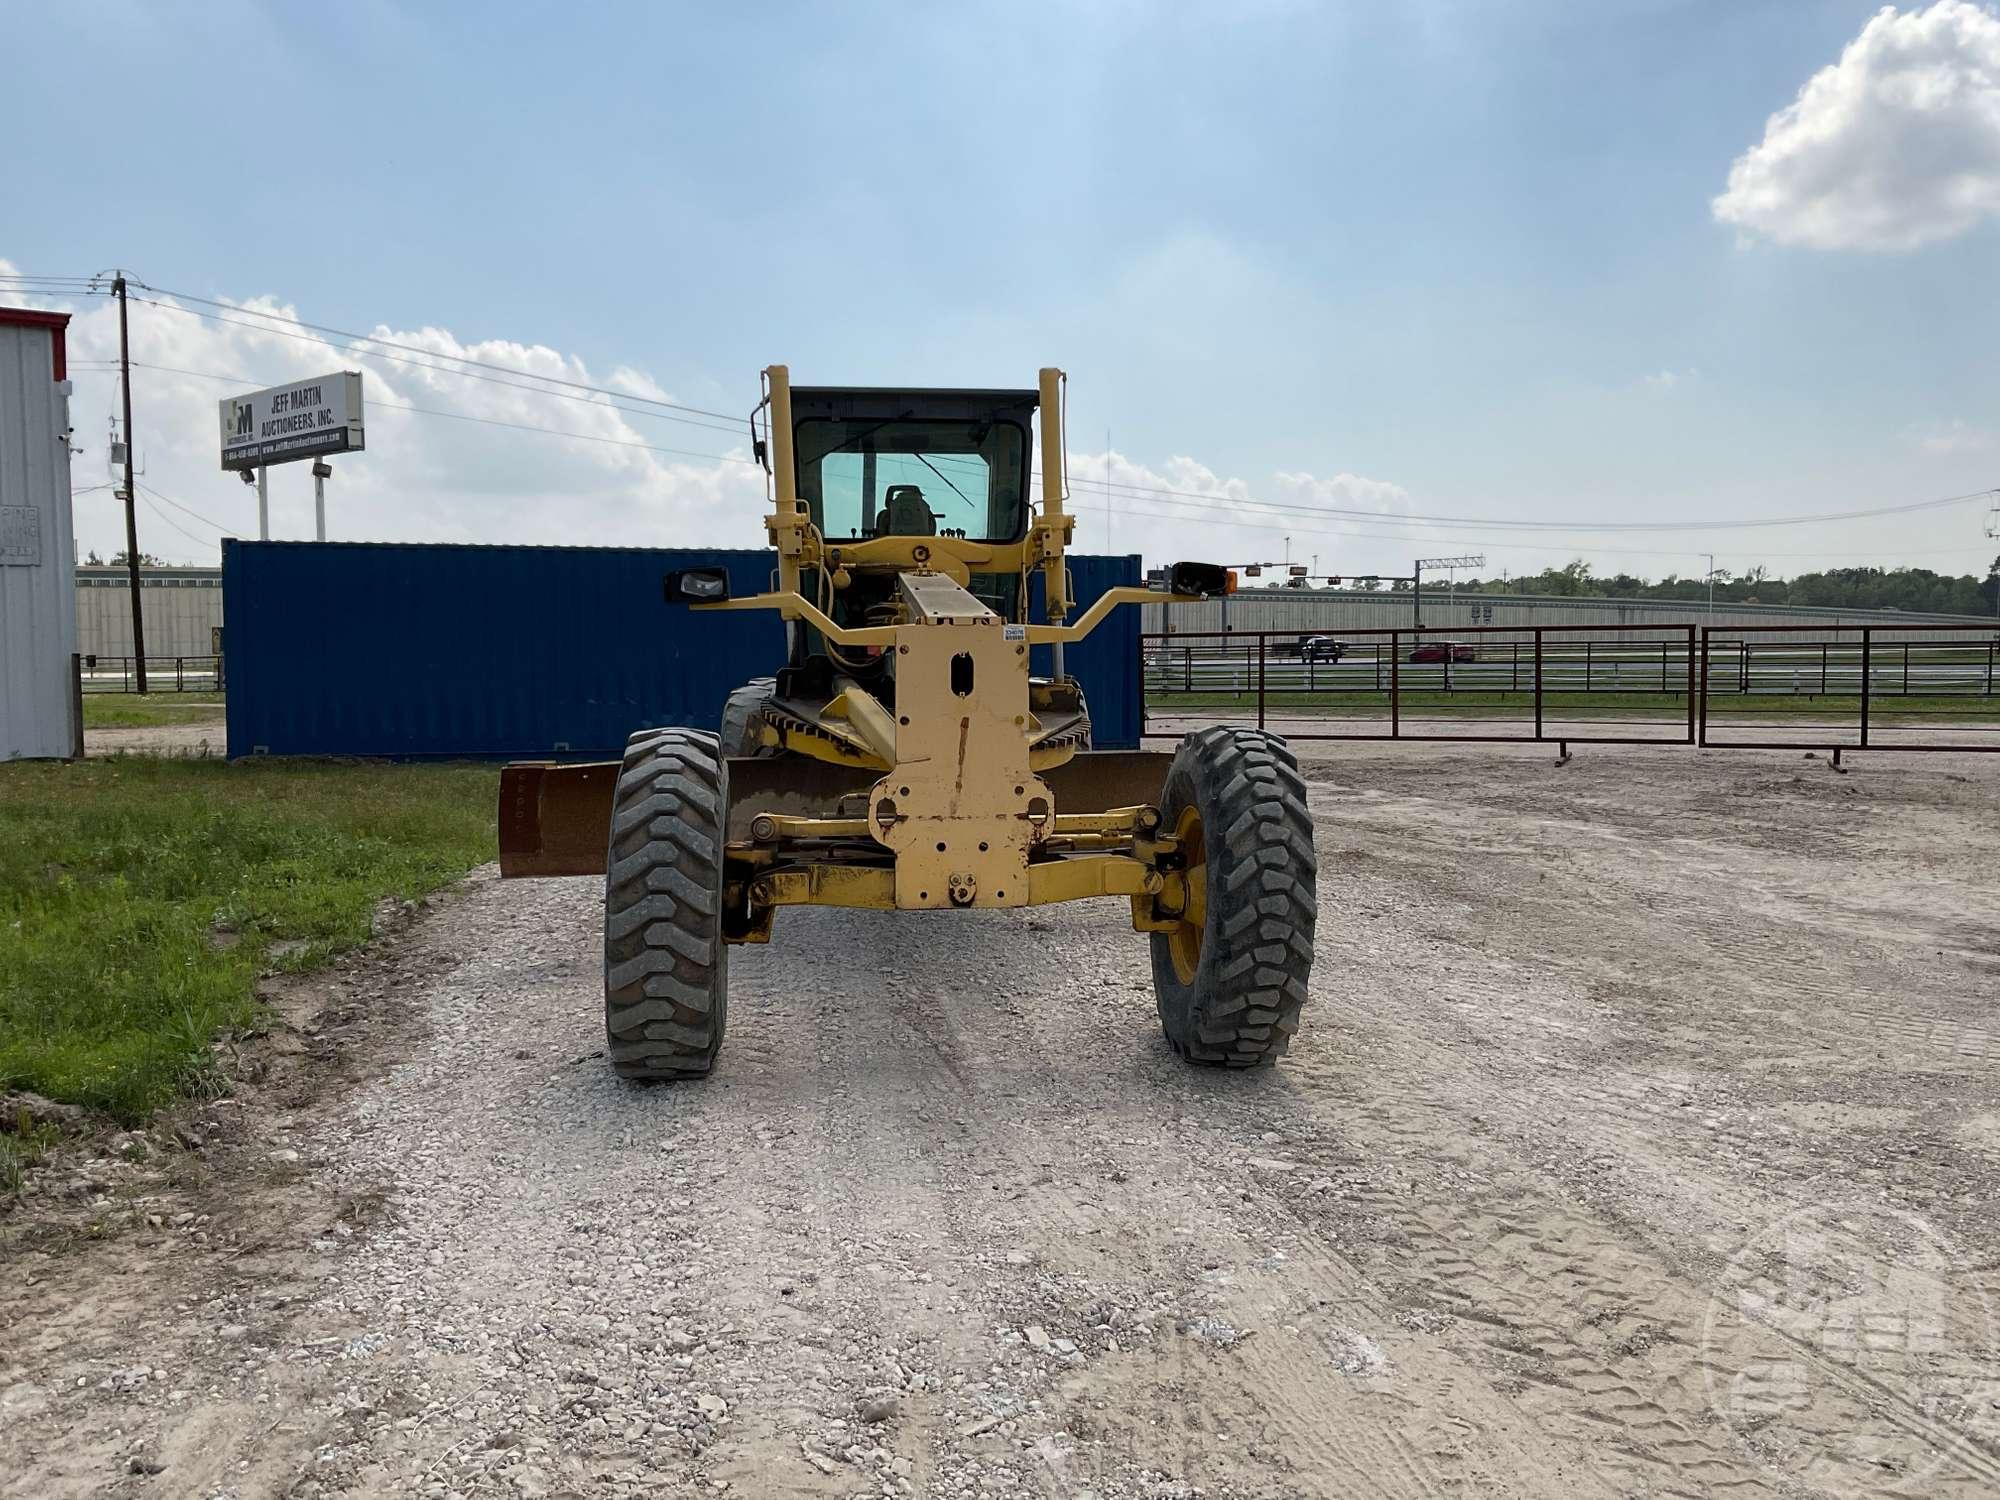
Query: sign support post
[
  {"x": 322, "y": 471},
  {"x": 263, "y": 504}
]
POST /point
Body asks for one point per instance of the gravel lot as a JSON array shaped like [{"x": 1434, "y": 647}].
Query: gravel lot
[
  {"x": 205, "y": 737},
  {"x": 1643, "y": 1138}
]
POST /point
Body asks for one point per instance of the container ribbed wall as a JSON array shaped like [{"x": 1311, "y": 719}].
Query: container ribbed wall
[{"x": 441, "y": 651}]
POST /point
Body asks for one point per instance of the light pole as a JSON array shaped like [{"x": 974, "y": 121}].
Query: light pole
[
  {"x": 1471, "y": 560},
  {"x": 1993, "y": 531}
]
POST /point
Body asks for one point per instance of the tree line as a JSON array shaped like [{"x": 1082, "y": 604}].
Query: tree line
[{"x": 1915, "y": 590}]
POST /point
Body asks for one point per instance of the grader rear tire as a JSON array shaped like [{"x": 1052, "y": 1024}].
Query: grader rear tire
[
  {"x": 1231, "y": 979},
  {"x": 665, "y": 963},
  {"x": 741, "y": 714}
]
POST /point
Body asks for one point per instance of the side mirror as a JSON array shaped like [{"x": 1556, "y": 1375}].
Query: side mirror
[
  {"x": 697, "y": 586},
  {"x": 1205, "y": 580}
]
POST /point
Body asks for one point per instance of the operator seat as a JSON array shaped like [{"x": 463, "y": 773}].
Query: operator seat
[{"x": 904, "y": 513}]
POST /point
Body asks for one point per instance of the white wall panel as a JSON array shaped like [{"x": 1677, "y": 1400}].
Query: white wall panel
[{"x": 37, "y": 576}]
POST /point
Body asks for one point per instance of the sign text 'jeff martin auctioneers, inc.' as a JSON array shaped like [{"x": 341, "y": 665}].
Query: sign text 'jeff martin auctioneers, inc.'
[{"x": 302, "y": 420}]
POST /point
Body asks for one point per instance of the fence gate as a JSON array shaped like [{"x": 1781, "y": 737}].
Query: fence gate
[
  {"x": 1855, "y": 687},
  {"x": 1769, "y": 687},
  {"x": 1563, "y": 685}
]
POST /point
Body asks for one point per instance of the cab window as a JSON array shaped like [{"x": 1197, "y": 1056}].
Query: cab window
[{"x": 866, "y": 479}]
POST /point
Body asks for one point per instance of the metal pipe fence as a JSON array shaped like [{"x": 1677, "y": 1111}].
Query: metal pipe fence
[
  {"x": 1487, "y": 684},
  {"x": 164, "y": 674},
  {"x": 1850, "y": 687},
  {"x": 1867, "y": 687}
]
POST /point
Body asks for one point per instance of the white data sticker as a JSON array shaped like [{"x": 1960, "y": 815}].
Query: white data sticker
[{"x": 1013, "y": 632}]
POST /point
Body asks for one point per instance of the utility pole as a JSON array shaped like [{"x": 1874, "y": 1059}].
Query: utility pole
[
  {"x": 131, "y": 493},
  {"x": 1711, "y": 586}
]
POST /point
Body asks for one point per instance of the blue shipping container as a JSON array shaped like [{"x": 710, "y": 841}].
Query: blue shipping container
[{"x": 476, "y": 652}]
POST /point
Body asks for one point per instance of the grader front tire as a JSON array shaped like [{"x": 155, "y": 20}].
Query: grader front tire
[
  {"x": 665, "y": 963},
  {"x": 1231, "y": 979}
]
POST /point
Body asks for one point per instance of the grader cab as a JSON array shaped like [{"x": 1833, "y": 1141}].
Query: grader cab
[{"x": 903, "y": 757}]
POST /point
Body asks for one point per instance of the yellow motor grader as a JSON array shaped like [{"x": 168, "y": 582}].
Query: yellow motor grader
[{"x": 902, "y": 757}]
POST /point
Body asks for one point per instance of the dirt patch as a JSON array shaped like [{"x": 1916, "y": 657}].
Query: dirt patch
[{"x": 1639, "y": 1140}]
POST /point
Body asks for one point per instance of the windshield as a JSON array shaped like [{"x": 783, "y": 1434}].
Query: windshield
[{"x": 863, "y": 479}]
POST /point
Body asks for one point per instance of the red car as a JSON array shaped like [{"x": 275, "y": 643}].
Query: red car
[{"x": 1442, "y": 651}]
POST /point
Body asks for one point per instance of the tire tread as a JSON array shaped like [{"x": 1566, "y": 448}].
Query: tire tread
[
  {"x": 1250, "y": 989},
  {"x": 665, "y": 962}
]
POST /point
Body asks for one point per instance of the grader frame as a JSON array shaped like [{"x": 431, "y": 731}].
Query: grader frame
[{"x": 907, "y": 760}]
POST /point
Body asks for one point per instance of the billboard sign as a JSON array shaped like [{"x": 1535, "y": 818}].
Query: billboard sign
[{"x": 306, "y": 419}]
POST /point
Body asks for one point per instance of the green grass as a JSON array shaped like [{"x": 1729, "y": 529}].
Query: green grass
[
  {"x": 130, "y": 711},
  {"x": 139, "y": 899},
  {"x": 22, "y": 1145}
]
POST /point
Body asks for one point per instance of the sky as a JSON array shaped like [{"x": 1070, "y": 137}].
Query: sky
[{"x": 1347, "y": 283}]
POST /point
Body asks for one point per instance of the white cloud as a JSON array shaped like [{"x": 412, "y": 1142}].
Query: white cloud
[
  {"x": 1897, "y": 145},
  {"x": 436, "y": 468},
  {"x": 1664, "y": 381},
  {"x": 1345, "y": 491},
  {"x": 1955, "y": 435},
  {"x": 1211, "y": 518}
]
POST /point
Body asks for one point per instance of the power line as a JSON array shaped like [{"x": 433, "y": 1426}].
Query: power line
[
  {"x": 1206, "y": 504},
  {"x": 1580, "y": 527},
  {"x": 95, "y": 368},
  {"x": 1167, "y": 495},
  {"x": 169, "y": 521},
  {"x": 615, "y": 396},
  {"x": 1555, "y": 541},
  {"x": 1552, "y": 545},
  {"x": 80, "y": 283},
  {"x": 184, "y": 509},
  {"x": 367, "y": 338},
  {"x": 1208, "y": 500},
  {"x": 582, "y": 437}
]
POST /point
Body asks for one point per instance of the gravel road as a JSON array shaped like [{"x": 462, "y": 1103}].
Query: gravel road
[{"x": 1643, "y": 1138}]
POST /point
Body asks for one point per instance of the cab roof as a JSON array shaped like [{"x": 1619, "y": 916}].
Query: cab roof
[{"x": 962, "y": 393}]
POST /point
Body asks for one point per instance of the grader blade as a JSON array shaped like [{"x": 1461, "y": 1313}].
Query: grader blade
[{"x": 554, "y": 818}]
